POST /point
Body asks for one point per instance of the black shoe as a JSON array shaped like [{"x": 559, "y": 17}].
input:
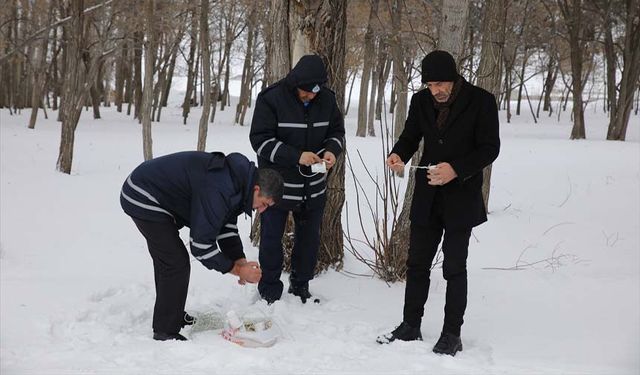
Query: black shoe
[
  {"x": 270, "y": 292},
  {"x": 270, "y": 300},
  {"x": 403, "y": 332},
  {"x": 301, "y": 291},
  {"x": 161, "y": 336},
  {"x": 448, "y": 344},
  {"x": 188, "y": 320}
]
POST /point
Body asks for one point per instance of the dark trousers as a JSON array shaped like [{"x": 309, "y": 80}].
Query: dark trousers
[
  {"x": 171, "y": 268},
  {"x": 305, "y": 249},
  {"x": 423, "y": 245}
]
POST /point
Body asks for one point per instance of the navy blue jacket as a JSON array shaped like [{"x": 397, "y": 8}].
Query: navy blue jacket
[
  {"x": 283, "y": 127},
  {"x": 203, "y": 191}
]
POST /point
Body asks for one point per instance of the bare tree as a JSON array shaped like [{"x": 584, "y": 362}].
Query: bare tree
[
  {"x": 147, "y": 92},
  {"x": 79, "y": 78},
  {"x": 206, "y": 71},
  {"x": 248, "y": 67},
  {"x": 40, "y": 60},
  {"x": 619, "y": 118},
  {"x": 191, "y": 70},
  {"x": 490, "y": 69},
  {"x": 367, "y": 68},
  {"x": 573, "y": 14}
]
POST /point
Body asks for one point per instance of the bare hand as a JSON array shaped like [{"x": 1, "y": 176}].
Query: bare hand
[
  {"x": 330, "y": 159},
  {"x": 395, "y": 163},
  {"x": 248, "y": 272},
  {"x": 307, "y": 158},
  {"x": 442, "y": 174}
]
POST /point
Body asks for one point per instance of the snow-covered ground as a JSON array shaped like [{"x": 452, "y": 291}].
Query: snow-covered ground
[{"x": 77, "y": 289}]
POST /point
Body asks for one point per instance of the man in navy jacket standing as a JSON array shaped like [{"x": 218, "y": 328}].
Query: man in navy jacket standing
[
  {"x": 296, "y": 123},
  {"x": 205, "y": 192},
  {"x": 458, "y": 123}
]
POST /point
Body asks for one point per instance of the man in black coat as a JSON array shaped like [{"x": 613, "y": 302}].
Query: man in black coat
[
  {"x": 459, "y": 125},
  {"x": 296, "y": 123},
  {"x": 205, "y": 192}
]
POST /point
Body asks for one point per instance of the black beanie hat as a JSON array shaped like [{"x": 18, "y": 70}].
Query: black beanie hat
[{"x": 439, "y": 66}]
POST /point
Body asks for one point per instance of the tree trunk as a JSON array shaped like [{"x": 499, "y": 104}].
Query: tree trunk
[
  {"x": 400, "y": 79},
  {"x": 247, "y": 70},
  {"x": 76, "y": 84},
  {"x": 619, "y": 120},
  {"x": 367, "y": 67},
  {"x": 191, "y": 70},
  {"x": 521, "y": 76},
  {"x": 384, "y": 64},
  {"x": 39, "y": 77},
  {"x": 121, "y": 64},
  {"x": 573, "y": 16},
  {"x": 329, "y": 42},
  {"x": 549, "y": 83},
  {"x": 206, "y": 77},
  {"x": 278, "y": 59},
  {"x": 490, "y": 69},
  {"x": 149, "y": 54},
  {"x": 137, "y": 76}
]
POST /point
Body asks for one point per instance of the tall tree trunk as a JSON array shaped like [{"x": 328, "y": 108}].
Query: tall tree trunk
[
  {"x": 384, "y": 69},
  {"x": 490, "y": 69},
  {"x": 330, "y": 32},
  {"x": 400, "y": 79},
  {"x": 247, "y": 70},
  {"x": 367, "y": 67},
  {"x": 206, "y": 77},
  {"x": 170, "y": 71},
  {"x": 76, "y": 83},
  {"x": 278, "y": 59},
  {"x": 191, "y": 70},
  {"x": 572, "y": 13},
  {"x": 619, "y": 120},
  {"x": 378, "y": 66},
  {"x": 137, "y": 76},
  {"x": 39, "y": 77},
  {"x": 121, "y": 63},
  {"x": 549, "y": 83},
  {"x": 610, "y": 63},
  {"x": 149, "y": 54},
  {"x": 525, "y": 57}
]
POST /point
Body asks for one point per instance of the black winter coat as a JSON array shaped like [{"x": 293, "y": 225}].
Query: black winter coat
[
  {"x": 203, "y": 191},
  {"x": 283, "y": 127},
  {"x": 469, "y": 142}
]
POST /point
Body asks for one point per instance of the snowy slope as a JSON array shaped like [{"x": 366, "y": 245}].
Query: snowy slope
[{"x": 76, "y": 281}]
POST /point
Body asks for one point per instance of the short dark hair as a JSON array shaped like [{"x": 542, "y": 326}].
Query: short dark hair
[{"x": 271, "y": 183}]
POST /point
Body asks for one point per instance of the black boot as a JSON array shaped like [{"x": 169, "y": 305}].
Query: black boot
[
  {"x": 161, "y": 336},
  {"x": 301, "y": 290},
  {"x": 448, "y": 344},
  {"x": 403, "y": 332},
  {"x": 188, "y": 320}
]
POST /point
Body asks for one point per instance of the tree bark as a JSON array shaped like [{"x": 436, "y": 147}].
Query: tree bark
[
  {"x": 191, "y": 70},
  {"x": 572, "y": 13},
  {"x": 367, "y": 67},
  {"x": 149, "y": 55},
  {"x": 490, "y": 69},
  {"x": 619, "y": 120},
  {"x": 137, "y": 76},
  {"x": 206, "y": 77},
  {"x": 400, "y": 79}
]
